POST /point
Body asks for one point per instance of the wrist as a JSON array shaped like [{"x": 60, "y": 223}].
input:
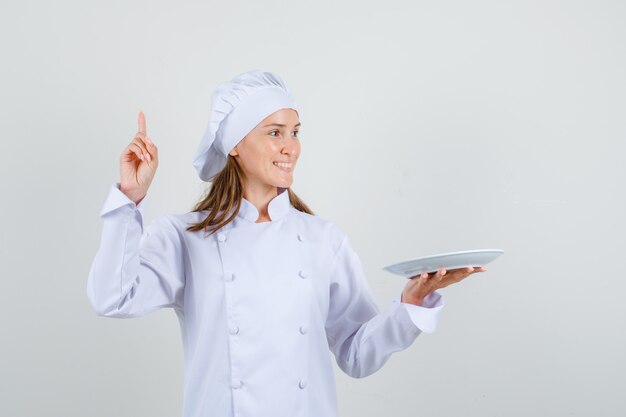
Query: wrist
[
  {"x": 411, "y": 300},
  {"x": 133, "y": 194}
]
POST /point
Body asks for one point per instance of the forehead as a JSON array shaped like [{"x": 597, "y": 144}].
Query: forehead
[{"x": 286, "y": 117}]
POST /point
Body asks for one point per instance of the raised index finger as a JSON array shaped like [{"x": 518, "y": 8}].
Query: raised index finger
[{"x": 142, "y": 123}]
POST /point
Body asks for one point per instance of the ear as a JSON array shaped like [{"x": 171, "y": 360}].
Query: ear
[{"x": 234, "y": 152}]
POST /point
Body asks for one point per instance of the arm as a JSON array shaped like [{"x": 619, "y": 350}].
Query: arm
[
  {"x": 135, "y": 271},
  {"x": 361, "y": 337}
]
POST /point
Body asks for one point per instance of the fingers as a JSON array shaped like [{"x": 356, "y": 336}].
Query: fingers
[
  {"x": 440, "y": 274},
  {"x": 426, "y": 279},
  {"x": 143, "y": 148},
  {"x": 144, "y": 138},
  {"x": 141, "y": 145},
  {"x": 138, "y": 151},
  {"x": 135, "y": 150},
  {"x": 425, "y": 282},
  {"x": 148, "y": 149},
  {"x": 471, "y": 270},
  {"x": 461, "y": 273},
  {"x": 468, "y": 270},
  {"x": 142, "y": 123},
  {"x": 142, "y": 132},
  {"x": 422, "y": 280},
  {"x": 457, "y": 275},
  {"x": 425, "y": 275}
]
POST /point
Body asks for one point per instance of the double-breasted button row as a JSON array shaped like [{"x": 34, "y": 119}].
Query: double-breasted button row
[{"x": 303, "y": 329}]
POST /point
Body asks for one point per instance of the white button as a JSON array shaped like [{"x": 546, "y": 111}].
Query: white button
[
  {"x": 234, "y": 329},
  {"x": 302, "y": 383},
  {"x": 236, "y": 383},
  {"x": 303, "y": 329},
  {"x": 221, "y": 237},
  {"x": 303, "y": 274},
  {"x": 300, "y": 238},
  {"x": 229, "y": 277}
]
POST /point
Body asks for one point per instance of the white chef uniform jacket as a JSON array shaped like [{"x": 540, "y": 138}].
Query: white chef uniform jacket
[{"x": 259, "y": 305}]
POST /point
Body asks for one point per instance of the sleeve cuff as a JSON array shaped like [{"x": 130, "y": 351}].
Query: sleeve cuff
[
  {"x": 426, "y": 316},
  {"x": 117, "y": 199}
]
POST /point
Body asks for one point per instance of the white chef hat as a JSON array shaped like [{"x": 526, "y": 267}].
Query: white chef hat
[{"x": 237, "y": 107}]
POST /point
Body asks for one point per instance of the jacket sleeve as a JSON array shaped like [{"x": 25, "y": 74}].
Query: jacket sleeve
[
  {"x": 135, "y": 271},
  {"x": 361, "y": 337}
]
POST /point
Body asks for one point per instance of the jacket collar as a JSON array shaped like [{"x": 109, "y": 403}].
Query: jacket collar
[{"x": 278, "y": 207}]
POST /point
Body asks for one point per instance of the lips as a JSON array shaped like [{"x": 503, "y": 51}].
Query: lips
[{"x": 283, "y": 166}]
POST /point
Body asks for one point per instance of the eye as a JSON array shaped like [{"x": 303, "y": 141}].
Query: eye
[
  {"x": 296, "y": 133},
  {"x": 273, "y": 131}
]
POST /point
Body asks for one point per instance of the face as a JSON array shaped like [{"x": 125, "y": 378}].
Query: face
[{"x": 268, "y": 154}]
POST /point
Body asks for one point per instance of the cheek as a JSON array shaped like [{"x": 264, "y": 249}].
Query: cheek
[
  {"x": 297, "y": 151},
  {"x": 260, "y": 155}
]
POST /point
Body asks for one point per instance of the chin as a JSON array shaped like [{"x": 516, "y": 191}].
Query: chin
[{"x": 283, "y": 184}]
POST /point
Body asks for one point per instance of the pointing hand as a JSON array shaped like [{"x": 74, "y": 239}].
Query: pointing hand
[{"x": 138, "y": 164}]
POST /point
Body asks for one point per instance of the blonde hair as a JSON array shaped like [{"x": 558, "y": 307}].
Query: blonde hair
[{"x": 225, "y": 194}]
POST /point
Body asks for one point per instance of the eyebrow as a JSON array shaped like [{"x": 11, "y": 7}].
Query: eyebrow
[{"x": 278, "y": 124}]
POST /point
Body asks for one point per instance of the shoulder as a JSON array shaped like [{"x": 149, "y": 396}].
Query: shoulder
[{"x": 319, "y": 229}]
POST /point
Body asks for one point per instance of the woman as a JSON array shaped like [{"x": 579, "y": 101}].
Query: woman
[{"x": 262, "y": 287}]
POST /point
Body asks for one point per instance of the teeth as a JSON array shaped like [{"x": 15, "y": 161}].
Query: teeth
[{"x": 283, "y": 164}]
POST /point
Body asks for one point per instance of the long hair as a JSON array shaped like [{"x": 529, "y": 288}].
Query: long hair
[{"x": 225, "y": 194}]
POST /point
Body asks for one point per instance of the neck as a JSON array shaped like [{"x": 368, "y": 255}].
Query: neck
[{"x": 261, "y": 198}]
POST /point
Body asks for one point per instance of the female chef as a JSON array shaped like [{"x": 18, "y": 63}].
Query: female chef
[{"x": 262, "y": 288}]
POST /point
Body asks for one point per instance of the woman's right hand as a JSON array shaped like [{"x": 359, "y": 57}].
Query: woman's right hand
[{"x": 138, "y": 164}]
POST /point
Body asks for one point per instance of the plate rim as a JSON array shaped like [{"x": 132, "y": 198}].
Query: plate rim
[{"x": 439, "y": 255}]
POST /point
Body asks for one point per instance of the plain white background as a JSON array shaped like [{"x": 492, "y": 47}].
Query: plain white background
[{"x": 427, "y": 127}]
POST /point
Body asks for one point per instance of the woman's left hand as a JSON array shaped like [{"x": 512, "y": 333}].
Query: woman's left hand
[{"x": 419, "y": 286}]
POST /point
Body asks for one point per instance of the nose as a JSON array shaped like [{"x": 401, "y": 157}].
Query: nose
[{"x": 290, "y": 147}]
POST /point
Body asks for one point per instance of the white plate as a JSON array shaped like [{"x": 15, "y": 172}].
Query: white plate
[{"x": 451, "y": 260}]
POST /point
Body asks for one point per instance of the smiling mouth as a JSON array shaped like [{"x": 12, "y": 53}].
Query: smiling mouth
[{"x": 284, "y": 166}]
